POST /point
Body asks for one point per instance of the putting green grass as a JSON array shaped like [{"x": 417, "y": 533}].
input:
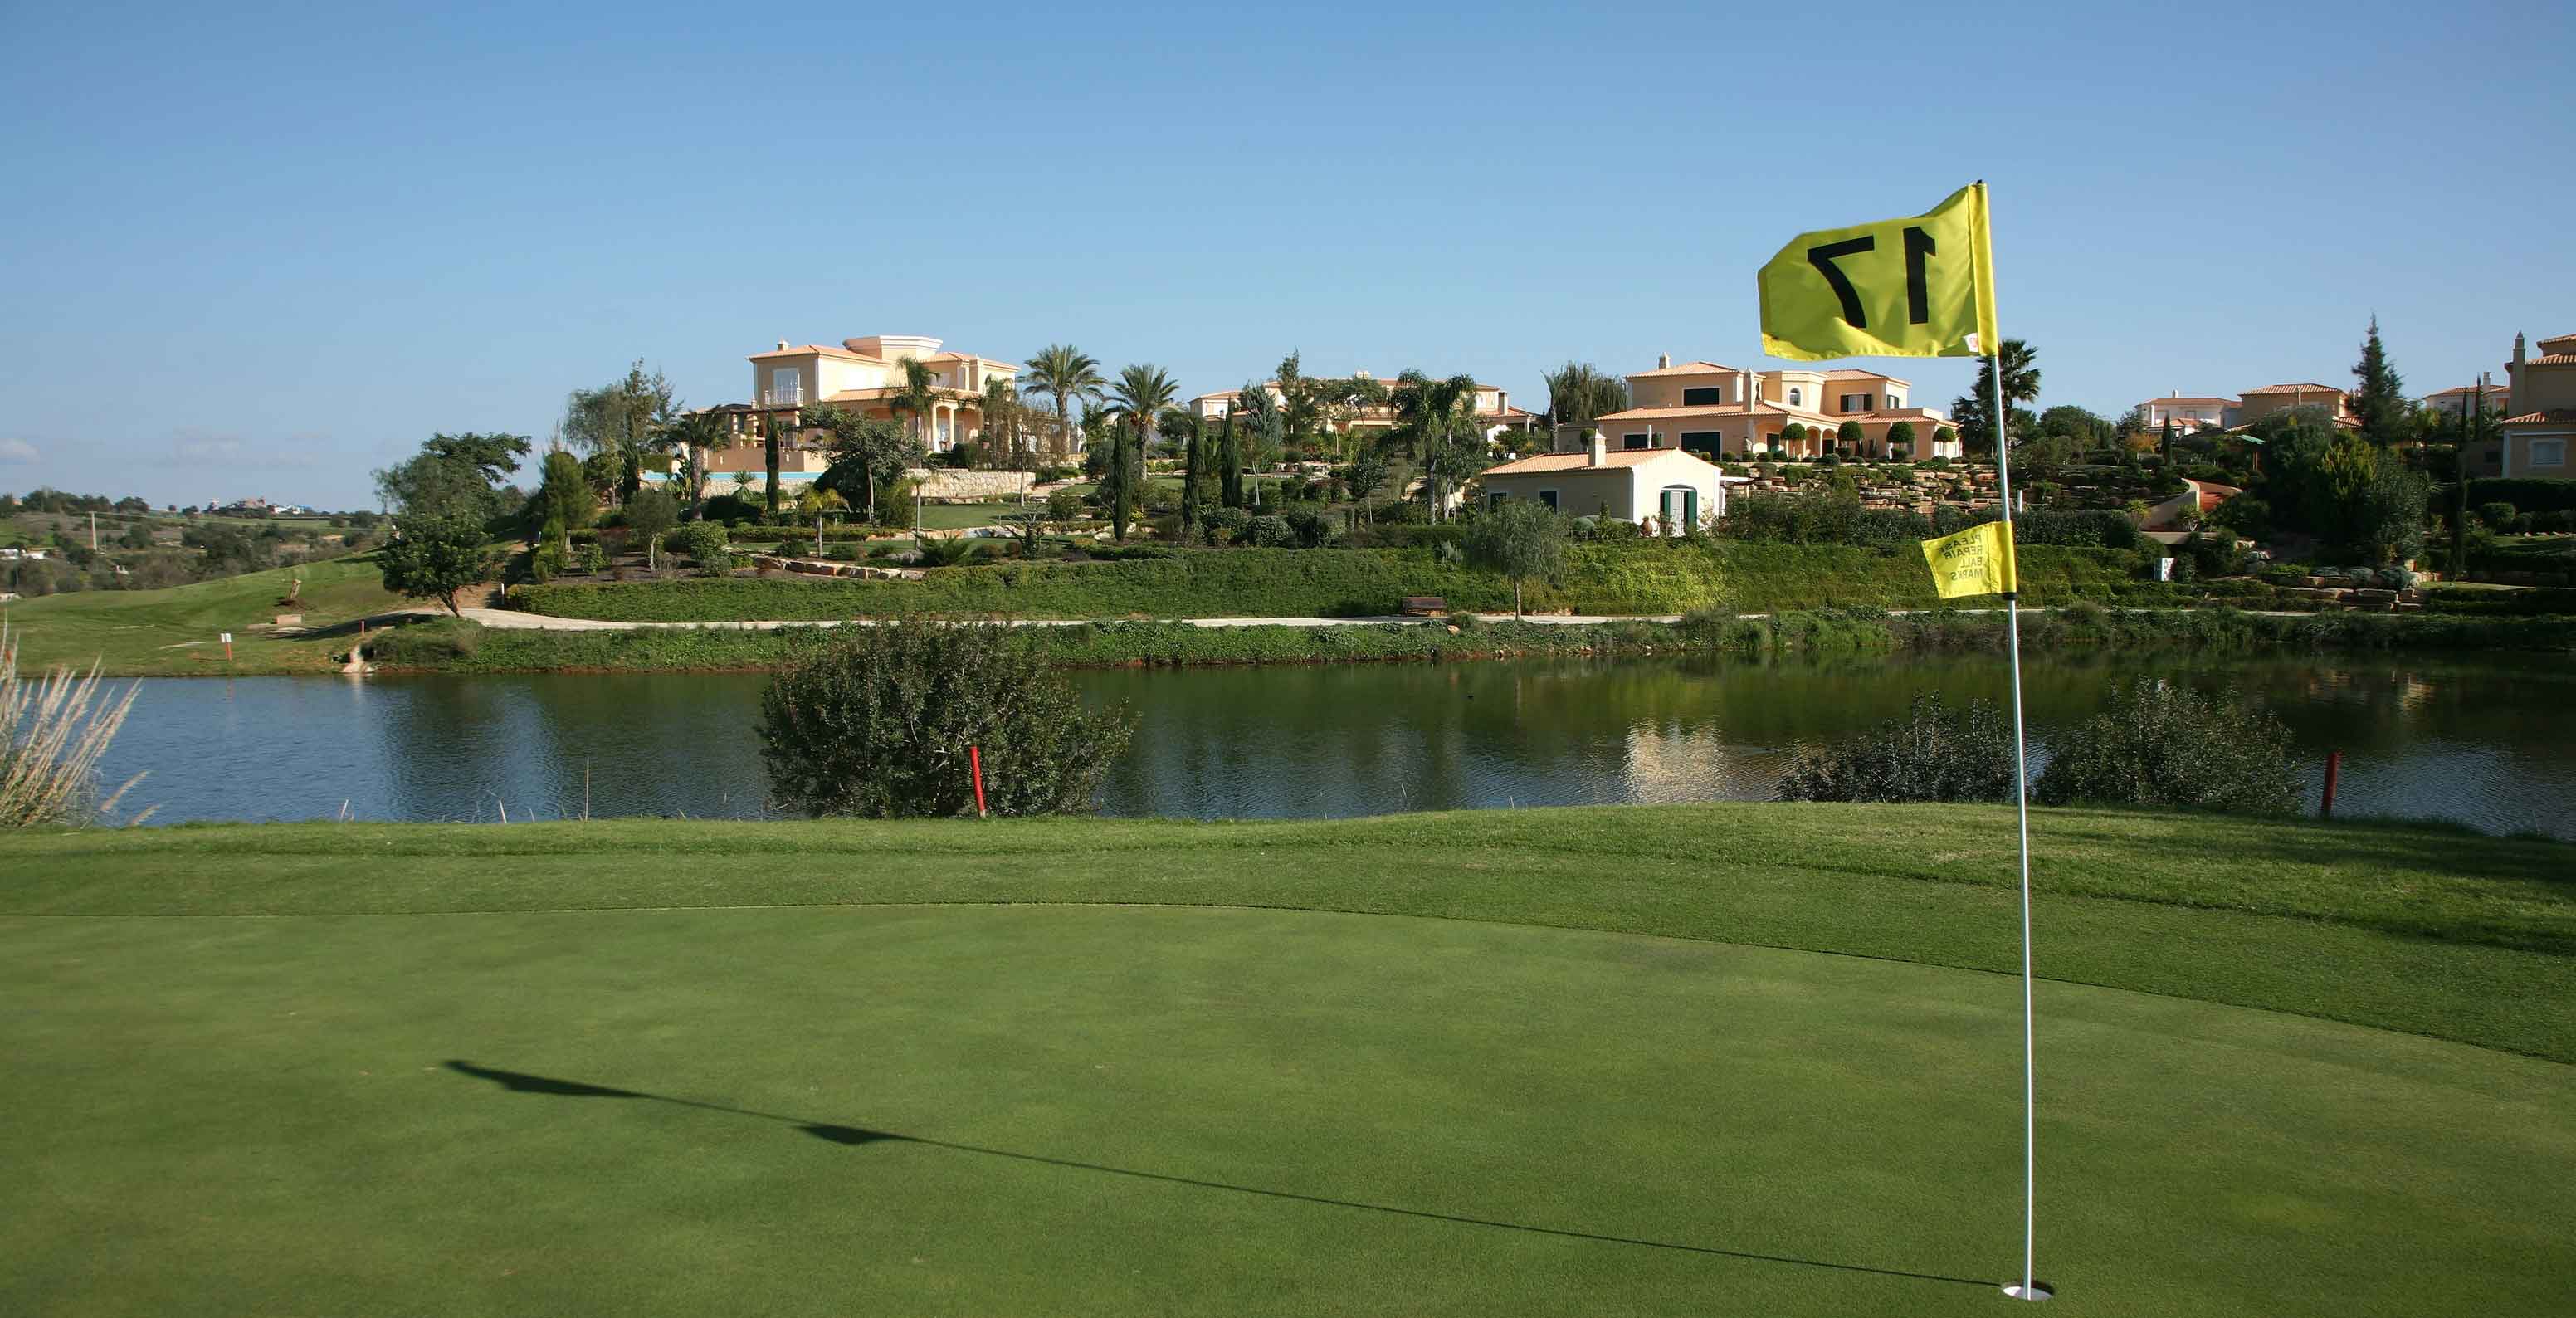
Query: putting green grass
[{"x": 1131, "y": 1067}]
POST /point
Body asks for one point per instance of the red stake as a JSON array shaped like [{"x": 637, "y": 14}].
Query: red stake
[{"x": 975, "y": 760}]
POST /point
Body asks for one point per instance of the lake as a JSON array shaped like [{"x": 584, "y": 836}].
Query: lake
[{"x": 2489, "y": 742}]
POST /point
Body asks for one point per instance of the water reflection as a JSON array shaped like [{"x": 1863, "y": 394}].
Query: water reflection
[{"x": 2492, "y": 743}]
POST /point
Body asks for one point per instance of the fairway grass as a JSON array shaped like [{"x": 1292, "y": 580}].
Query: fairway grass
[
  {"x": 176, "y": 632},
  {"x": 1148, "y": 1067}
]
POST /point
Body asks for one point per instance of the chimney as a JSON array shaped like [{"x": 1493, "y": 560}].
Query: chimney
[
  {"x": 1662, "y": 360},
  {"x": 782, "y": 345},
  {"x": 1600, "y": 449}
]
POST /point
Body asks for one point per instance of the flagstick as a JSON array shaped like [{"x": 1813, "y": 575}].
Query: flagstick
[{"x": 2029, "y": 1289}]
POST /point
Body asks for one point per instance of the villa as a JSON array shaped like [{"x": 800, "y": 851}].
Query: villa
[
  {"x": 1728, "y": 412},
  {"x": 2272, "y": 398},
  {"x": 1494, "y": 411},
  {"x": 2457, "y": 400},
  {"x": 862, "y": 375},
  {"x": 2188, "y": 414},
  {"x": 2540, "y": 418},
  {"x": 1666, "y": 488}
]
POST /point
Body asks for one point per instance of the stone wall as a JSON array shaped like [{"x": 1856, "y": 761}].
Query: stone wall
[{"x": 949, "y": 484}]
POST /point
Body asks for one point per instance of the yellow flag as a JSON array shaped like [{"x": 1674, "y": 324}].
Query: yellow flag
[
  {"x": 1920, "y": 286},
  {"x": 1977, "y": 561}
]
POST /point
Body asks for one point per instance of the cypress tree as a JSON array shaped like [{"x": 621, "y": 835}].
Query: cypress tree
[{"x": 2379, "y": 402}]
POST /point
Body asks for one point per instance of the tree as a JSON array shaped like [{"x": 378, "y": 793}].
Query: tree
[
  {"x": 1849, "y": 438},
  {"x": 458, "y": 474},
  {"x": 1005, "y": 426},
  {"x": 773, "y": 433},
  {"x": 814, "y": 501},
  {"x": 2089, "y": 430},
  {"x": 1436, "y": 417},
  {"x": 1519, "y": 538},
  {"x": 1186, "y": 423},
  {"x": 650, "y": 516},
  {"x": 916, "y": 397},
  {"x": 563, "y": 495},
  {"x": 1579, "y": 393},
  {"x": 623, "y": 419},
  {"x": 694, "y": 437},
  {"x": 1301, "y": 406},
  {"x": 1064, "y": 373},
  {"x": 2379, "y": 400},
  {"x": 1366, "y": 472},
  {"x": 867, "y": 456},
  {"x": 435, "y": 554},
  {"x": 1974, "y": 413},
  {"x": 1140, "y": 396},
  {"x": 1900, "y": 440},
  {"x": 1264, "y": 431},
  {"x": 879, "y": 723}
]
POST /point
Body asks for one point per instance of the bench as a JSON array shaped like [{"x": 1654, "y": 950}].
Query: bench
[{"x": 1424, "y": 606}]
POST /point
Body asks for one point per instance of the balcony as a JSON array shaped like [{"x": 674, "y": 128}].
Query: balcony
[{"x": 794, "y": 397}]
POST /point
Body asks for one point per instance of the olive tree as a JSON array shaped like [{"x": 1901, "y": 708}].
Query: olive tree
[
  {"x": 435, "y": 554},
  {"x": 1519, "y": 538},
  {"x": 879, "y": 723}
]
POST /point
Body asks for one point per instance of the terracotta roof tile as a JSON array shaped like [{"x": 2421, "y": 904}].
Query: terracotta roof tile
[
  {"x": 2555, "y": 414},
  {"x": 1686, "y": 368},
  {"x": 2553, "y": 359},
  {"x": 1565, "y": 462},
  {"x": 2294, "y": 388},
  {"x": 2194, "y": 402}
]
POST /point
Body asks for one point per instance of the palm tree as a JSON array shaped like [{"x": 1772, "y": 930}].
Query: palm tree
[
  {"x": 1264, "y": 429},
  {"x": 1579, "y": 392},
  {"x": 1971, "y": 413},
  {"x": 1435, "y": 416},
  {"x": 1001, "y": 435},
  {"x": 1066, "y": 373},
  {"x": 1139, "y": 398},
  {"x": 694, "y": 436},
  {"x": 917, "y": 395},
  {"x": 814, "y": 502}
]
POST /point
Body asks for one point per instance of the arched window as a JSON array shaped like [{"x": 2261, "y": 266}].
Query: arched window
[{"x": 1797, "y": 397}]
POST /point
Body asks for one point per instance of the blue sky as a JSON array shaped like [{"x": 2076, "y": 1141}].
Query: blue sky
[{"x": 265, "y": 251}]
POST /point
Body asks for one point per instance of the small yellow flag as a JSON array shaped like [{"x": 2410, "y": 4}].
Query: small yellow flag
[
  {"x": 1919, "y": 286},
  {"x": 1977, "y": 561}
]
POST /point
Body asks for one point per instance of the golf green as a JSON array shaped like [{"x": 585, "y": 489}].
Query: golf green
[{"x": 1059, "y": 1110}]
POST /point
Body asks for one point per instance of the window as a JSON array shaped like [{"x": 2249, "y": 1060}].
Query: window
[
  {"x": 1495, "y": 499},
  {"x": 1547, "y": 497},
  {"x": 1640, "y": 439},
  {"x": 1710, "y": 442},
  {"x": 1895, "y": 401},
  {"x": 1708, "y": 397},
  {"x": 786, "y": 384},
  {"x": 1797, "y": 396},
  {"x": 2549, "y": 453},
  {"x": 1853, "y": 403}
]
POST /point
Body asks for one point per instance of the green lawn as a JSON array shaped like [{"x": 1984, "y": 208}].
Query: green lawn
[
  {"x": 176, "y": 632},
  {"x": 1129, "y": 1067}
]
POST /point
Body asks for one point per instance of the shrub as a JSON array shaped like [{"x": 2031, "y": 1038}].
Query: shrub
[
  {"x": 1063, "y": 505},
  {"x": 1269, "y": 531},
  {"x": 879, "y": 722},
  {"x": 2497, "y": 514},
  {"x": 1311, "y": 528},
  {"x": 2164, "y": 744},
  {"x": 1937, "y": 752},
  {"x": 698, "y": 540}
]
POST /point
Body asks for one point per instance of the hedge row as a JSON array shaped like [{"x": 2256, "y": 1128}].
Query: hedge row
[
  {"x": 2527, "y": 494},
  {"x": 1613, "y": 577}
]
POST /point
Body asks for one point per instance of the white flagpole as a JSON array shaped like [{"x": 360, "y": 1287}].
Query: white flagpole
[{"x": 2029, "y": 1289}]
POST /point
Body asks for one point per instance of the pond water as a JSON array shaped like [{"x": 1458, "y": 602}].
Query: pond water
[{"x": 2491, "y": 743}]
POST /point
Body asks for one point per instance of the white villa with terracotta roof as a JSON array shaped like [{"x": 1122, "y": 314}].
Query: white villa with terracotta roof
[
  {"x": 1728, "y": 412},
  {"x": 1666, "y": 489},
  {"x": 861, "y": 375}
]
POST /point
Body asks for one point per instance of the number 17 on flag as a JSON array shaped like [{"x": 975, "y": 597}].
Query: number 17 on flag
[{"x": 1919, "y": 286}]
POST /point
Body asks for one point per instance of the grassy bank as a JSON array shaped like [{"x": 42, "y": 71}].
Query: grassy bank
[
  {"x": 176, "y": 632},
  {"x": 1612, "y": 578},
  {"x": 1462, "y": 1064},
  {"x": 448, "y": 646}
]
